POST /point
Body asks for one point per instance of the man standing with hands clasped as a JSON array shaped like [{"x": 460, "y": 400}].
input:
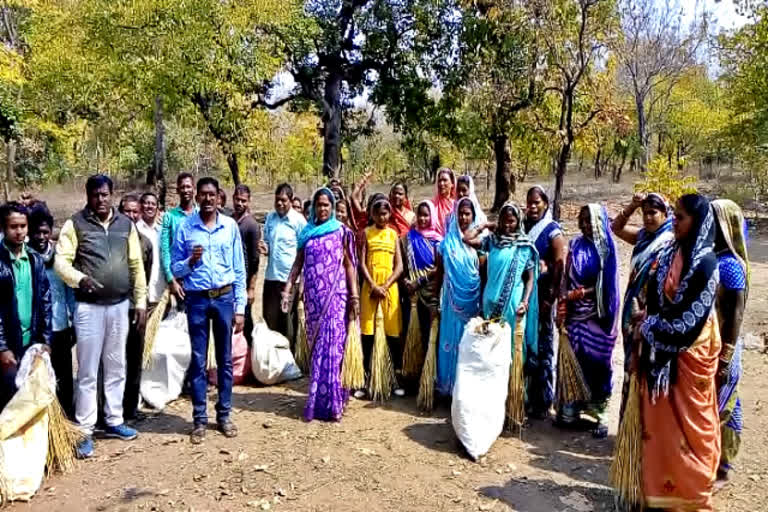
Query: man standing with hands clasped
[
  {"x": 207, "y": 256},
  {"x": 99, "y": 255}
]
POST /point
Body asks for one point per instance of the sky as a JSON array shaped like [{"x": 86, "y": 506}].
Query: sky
[{"x": 724, "y": 11}]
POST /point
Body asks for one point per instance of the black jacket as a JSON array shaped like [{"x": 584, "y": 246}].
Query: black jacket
[{"x": 10, "y": 326}]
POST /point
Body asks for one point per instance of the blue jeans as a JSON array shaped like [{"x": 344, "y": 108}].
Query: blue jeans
[{"x": 202, "y": 313}]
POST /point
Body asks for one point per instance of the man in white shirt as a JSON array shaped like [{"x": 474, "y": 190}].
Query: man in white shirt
[{"x": 150, "y": 226}]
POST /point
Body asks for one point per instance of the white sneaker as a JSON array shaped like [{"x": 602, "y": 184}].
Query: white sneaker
[
  {"x": 399, "y": 392},
  {"x": 359, "y": 394}
]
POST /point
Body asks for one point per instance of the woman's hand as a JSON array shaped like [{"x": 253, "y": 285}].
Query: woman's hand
[
  {"x": 522, "y": 308},
  {"x": 637, "y": 200},
  {"x": 285, "y": 300},
  {"x": 575, "y": 295},
  {"x": 562, "y": 309},
  {"x": 353, "y": 308},
  {"x": 411, "y": 286},
  {"x": 378, "y": 292}
]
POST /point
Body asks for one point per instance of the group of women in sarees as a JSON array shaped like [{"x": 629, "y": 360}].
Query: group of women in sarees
[{"x": 680, "y": 316}]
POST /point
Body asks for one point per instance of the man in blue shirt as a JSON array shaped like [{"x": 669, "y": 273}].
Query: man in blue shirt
[
  {"x": 207, "y": 256},
  {"x": 281, "y": 233}
]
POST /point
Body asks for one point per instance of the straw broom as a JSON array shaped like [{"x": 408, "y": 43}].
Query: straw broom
[
  {"x": 626, "y": 467},
  {"x": 516, "y": 391},
  {"x": 426, "y": 399},
  {"x": 413, "y": 354},
  {"x": 302, "y": 343},
  {"x": 352, "y": 367},
  {"x": 210, "y": 362},
  {"x": 382, "y": 370},
  {"x": 63, "y": 437},
  {"x": 153, "y": 325},
  {"x": 571, "y": 385}
]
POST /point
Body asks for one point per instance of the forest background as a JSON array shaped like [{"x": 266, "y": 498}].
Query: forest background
[{"x": 655, "y": 92}]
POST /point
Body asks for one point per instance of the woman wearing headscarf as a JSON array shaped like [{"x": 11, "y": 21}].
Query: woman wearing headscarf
[
  {"x": 420, "y": 246},
  {"x": 402, "y": 216},
  {"x": 465, "y": 187},
  {"x": 590, "y": 309},
  {"x": 459, "y": 275},
  {"x": 549, "y": 240},
  {"x": 733, "y": 264},
  {"x": 656, "y": 233},
  {"x": 445, "y": 197},
  {"x": 513, "y": 267},
  {"x": 677, "y": 363},
  {"x": 326, "y": 261}
]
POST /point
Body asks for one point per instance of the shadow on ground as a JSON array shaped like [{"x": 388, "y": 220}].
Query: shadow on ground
[{"x": 525, "y": 495}]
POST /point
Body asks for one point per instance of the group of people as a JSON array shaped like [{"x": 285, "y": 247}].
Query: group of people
[{"x": 350, "y": 259}]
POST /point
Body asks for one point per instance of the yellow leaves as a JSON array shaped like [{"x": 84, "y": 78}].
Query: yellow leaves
[
  {"x": 11, "y": 67},
  {"x": 665, "y": 179}
]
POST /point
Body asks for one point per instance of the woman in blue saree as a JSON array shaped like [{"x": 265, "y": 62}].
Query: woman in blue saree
[
  {"x": 590, "y": 308},
  {"x": 459, "y": 274}
]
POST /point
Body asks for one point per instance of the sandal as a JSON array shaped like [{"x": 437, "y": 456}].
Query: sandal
[
  {"x": 197, "y": 436},
  {"x": 600, "y": 431},
  {"x": 228, "y": 428}
]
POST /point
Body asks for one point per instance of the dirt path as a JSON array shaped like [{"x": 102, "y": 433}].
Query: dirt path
[{"x": 381, "y": 457}]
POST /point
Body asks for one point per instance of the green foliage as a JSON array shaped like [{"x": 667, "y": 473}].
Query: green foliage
[{"x": 665, "y": 179}]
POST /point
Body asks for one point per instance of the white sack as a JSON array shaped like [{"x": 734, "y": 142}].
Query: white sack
[
  {"x": 271, "y": 358},
  {"x": 162, "y": 380}
]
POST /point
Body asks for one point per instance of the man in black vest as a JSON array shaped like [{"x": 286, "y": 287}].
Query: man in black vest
[{"x": 99, "y": 254}]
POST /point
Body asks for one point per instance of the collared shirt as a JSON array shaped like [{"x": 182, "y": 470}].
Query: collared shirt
[
  {"x": 155, "y": 281},
  {"x": 22, "y": 288},
  {"x": 222, "y": 263},
  {"x": 171, "y": 221},
  {"x": 66, "y": 250},
  {"x": 250, "y": 234},
  {"x": 281, "y": 234}
]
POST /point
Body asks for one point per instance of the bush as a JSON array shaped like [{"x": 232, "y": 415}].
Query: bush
[{"x": 666, "y": 179}]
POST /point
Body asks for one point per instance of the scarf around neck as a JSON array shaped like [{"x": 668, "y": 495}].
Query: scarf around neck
[{"x": 315, "y": 230}]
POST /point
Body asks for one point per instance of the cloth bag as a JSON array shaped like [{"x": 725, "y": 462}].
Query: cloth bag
[
  {"x": 480, "y": 390},
  {"x": 24, "y": 429},
  {"x": 241, "y": 361},
  {"x": 162, "y": 380},
  {"x": 271, "y": 358}
]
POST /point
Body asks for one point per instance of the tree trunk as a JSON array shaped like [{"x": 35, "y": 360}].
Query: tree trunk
[
  {"x": 617, "y": 174},
  {"x": 332, "y": 125},
  {"x": 642, "y": 134},
  {"x": 562, "y": 165},
  {"x": 598, "y": 172},
  {"x": 156, "y": 174},
  {"x": 234, "y": 167},
  {"x": 581, "y": 162},
  {"x": 10, "y": 154},
  {"x": 505, "y": 179}
]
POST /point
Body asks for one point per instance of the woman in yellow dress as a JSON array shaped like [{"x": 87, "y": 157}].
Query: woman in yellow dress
[{"x": 381, "y": 265}]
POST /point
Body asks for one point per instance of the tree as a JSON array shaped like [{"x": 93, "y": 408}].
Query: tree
[
  {"x": 654, "y": 51},
  {"x": 575, "y": 33}
]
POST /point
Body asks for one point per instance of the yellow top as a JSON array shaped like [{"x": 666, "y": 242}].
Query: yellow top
[
  {"x": 380, "y": 261},
  {"x": 66, "y": 248}
]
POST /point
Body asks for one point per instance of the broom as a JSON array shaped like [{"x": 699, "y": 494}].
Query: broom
[
  {"x": 426, "y": 399},
  {"x": 571, "y": 385},
  {"x": 516, "y": 391},
  {"x": 626, "y": 467},
  {"x": 352, "y": 367},
  {"x": 382, "y": 370},
  {"x": 153, "y": 325},
  {"x": 63, "y": 437},
  {"x": 210, "y": 361},
  {"x": 413, "y": 354},
  {"x": 302, "y": 343}
]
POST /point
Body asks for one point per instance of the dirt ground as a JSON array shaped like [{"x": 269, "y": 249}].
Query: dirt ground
[{"x": 387, "y": 457}]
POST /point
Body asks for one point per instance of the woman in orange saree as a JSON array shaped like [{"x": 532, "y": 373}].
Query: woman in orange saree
[{"x": 678, "y": 362}]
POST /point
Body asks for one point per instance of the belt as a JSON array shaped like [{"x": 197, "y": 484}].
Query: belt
[{"x": 213, "y": 294}]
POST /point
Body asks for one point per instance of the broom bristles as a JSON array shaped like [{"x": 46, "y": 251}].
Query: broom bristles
[
  {"x": 413, "y": 354},
  {"x": 382, "y": 369},
  {"x": 302, "y": 343},
  {"x": 352, "y": 367},
  {"x": 516, "y": 395},
  {"x": 571, "y": 384},
  {"x": 153, "y": 325},
  {"x": 626, "y": 468},
  {"x": 210, "y": 362},
  {"x": 63, "y": 437},
  {"x": 426, "y": 399}
]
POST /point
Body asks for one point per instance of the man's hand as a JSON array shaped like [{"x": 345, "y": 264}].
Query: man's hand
[
  {"x": 263, "y": 249},
  {"x": 239, "y": 322},
  {"x": 7, "y": 360},
  {"x": 90, "y": 285},
  {"x": 140, "y": 319},
  {"x": 197, "y": 255},
  {"x": 176, "y": 289}
]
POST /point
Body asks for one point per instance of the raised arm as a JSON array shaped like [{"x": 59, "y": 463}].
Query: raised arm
[{"x": 619, "y": 224}]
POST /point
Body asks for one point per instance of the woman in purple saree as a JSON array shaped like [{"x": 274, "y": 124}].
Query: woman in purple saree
[
  {"x": 326, "y": 257},
  {"x": 591, "y": 311}
]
